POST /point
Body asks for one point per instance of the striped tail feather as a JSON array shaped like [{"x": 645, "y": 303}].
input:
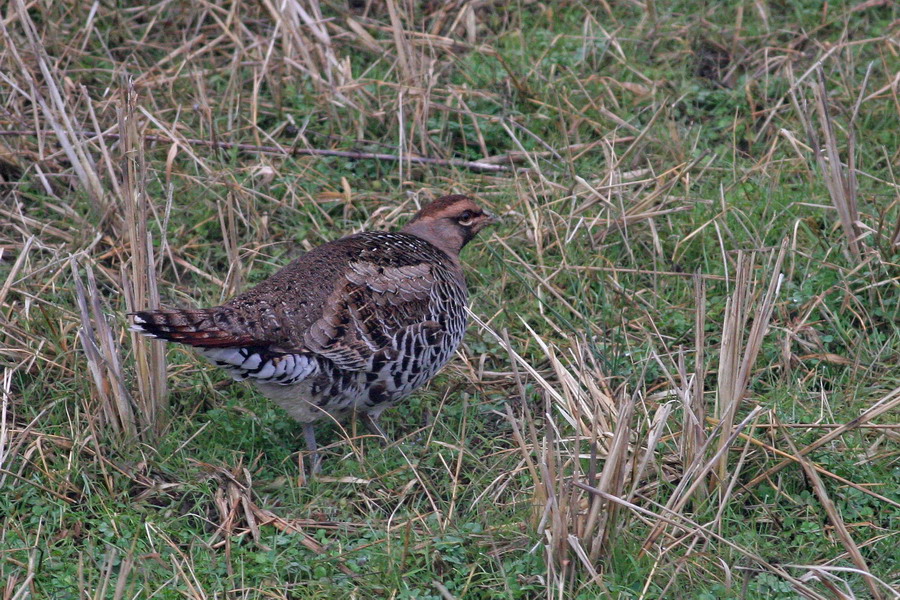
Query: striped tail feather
[
  {"x": 192, "y": 327},
  {"x": 241, "y": 355}
]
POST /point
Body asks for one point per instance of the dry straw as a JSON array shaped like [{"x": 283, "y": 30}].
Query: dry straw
[{"x": 657, "y": 463}]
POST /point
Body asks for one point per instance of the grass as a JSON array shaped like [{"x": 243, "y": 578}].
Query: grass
[{"x": 681, "y": 375}]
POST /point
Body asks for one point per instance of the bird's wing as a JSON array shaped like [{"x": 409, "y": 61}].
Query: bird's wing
[{"x": 373, "y": 305}]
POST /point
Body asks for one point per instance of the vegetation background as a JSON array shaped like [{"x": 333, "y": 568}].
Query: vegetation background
[{"x": 683, "y": 380}]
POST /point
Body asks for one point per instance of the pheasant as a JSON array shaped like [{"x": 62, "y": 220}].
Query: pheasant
[{"x": 354, "y": 325}]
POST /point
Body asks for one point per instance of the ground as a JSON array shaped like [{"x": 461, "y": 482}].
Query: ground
[{"x": 681, "y": 375}]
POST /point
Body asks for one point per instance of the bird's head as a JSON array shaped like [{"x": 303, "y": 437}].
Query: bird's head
[{"x": 450, "y": 222}]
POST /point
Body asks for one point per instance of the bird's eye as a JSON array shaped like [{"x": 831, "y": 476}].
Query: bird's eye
[{"x": 466, "y": 218}]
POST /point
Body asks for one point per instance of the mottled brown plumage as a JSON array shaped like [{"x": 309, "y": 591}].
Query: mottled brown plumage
[{"x": 353, "y": 325}]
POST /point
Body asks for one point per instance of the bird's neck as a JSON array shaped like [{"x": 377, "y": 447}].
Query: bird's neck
[{"x": 449, "y": 241}]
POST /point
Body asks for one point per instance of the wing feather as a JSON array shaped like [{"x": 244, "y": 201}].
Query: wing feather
[{"x": 373, "y": 305}]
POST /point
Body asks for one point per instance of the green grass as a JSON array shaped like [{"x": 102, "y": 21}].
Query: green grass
[{"x": 693, "y": 104}]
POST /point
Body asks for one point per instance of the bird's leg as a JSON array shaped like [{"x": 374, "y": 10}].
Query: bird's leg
[
  {"x": 374, "y": 428},
  {"x": 309, "y": 433}
]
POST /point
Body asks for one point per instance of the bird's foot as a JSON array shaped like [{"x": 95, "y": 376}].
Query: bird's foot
[
  {"x": 309, "y": 432},
  {"x": 374, "y": 428}
]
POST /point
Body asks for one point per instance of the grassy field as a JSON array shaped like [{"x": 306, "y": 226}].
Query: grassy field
[{"x": 682, "y": 374}]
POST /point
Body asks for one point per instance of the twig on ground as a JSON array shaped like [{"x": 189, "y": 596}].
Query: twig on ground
[{"x": 294, "y": 151}]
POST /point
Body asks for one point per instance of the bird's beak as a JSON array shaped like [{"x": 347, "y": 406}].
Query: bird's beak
[{"x": 490, "y": 218}]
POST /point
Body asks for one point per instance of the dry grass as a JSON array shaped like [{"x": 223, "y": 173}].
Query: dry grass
[{"x": 684, "y": 338}]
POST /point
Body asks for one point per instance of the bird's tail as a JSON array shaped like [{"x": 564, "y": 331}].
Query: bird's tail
[{"x": 198, "y": 327}]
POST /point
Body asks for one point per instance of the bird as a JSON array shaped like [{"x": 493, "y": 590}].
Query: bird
[{"x": 353, "y": 326}]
